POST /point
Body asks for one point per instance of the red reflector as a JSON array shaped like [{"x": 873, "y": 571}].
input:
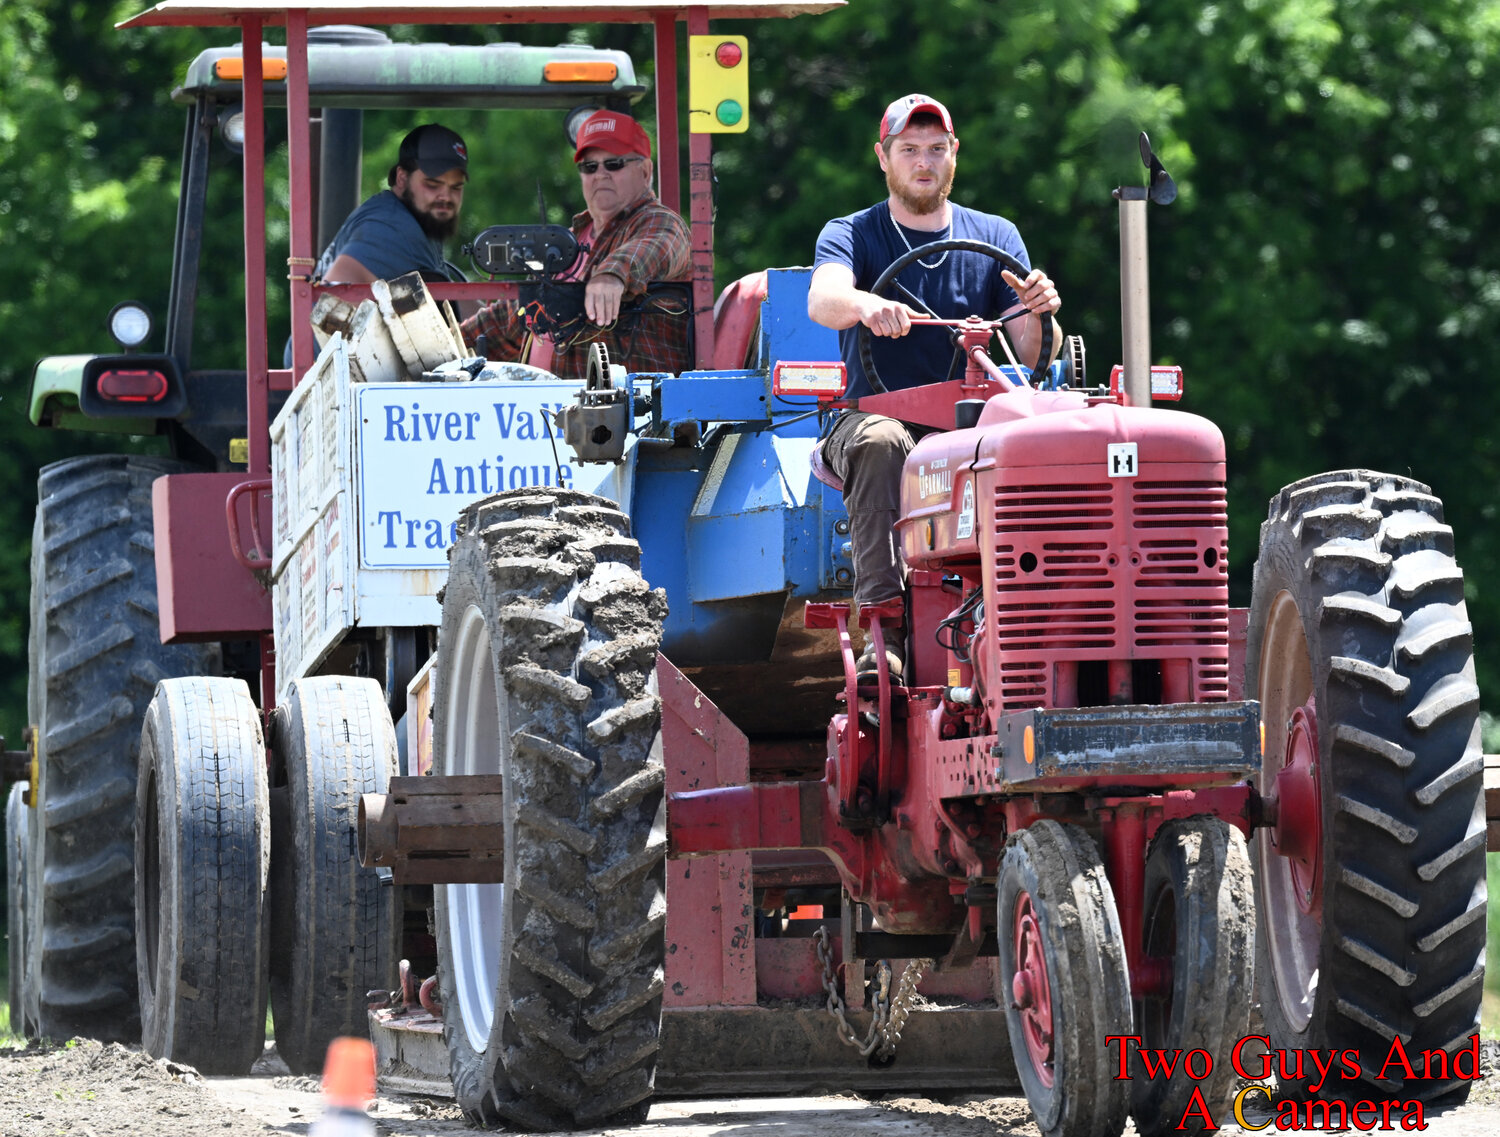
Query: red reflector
[
  {"x": 132, "y": 386},
  {"x": 728, "y": 54}
]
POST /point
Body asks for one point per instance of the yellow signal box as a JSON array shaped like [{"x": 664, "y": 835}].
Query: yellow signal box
[{"x": 718, "y": 85}]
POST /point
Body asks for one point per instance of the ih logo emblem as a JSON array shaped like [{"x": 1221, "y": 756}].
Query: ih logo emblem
[{"x": 1122, "y": 460}]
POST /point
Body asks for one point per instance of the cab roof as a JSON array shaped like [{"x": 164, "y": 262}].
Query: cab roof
[
  {"x": 368, "y": 70},
  {"x": 191, "y": 13}
]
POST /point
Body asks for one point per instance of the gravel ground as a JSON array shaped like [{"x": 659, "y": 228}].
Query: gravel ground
[{"x": 85, "y": 1089}]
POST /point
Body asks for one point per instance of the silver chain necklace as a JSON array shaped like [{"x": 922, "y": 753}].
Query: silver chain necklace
[{"x": 946, "y": 229}]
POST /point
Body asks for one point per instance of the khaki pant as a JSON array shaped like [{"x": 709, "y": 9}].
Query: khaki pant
[{"x": 866, "y": 451}]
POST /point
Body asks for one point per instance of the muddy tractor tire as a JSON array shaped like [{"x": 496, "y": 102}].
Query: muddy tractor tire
[
  {"x": 552, "y": 981},
  {"x": 17, "y": 822},
  {"x": 1199, "y": 913},
  {"x": 331, "y": 920},
  {"x": 96, "y": 657},
  {"x": 1371, "y": 884},
  {"x": 202, "y": 861},
  {"x": 1062, "y": 964}
]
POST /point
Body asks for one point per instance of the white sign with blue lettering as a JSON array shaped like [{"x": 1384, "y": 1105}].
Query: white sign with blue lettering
[{"x": 428, "y": 449}]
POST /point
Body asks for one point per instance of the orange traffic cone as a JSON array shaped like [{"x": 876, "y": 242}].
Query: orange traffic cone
[{"x": 348, "y": 1087}]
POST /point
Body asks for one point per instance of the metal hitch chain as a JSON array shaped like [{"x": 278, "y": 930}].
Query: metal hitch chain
[{"x": 888, "y": 1015}]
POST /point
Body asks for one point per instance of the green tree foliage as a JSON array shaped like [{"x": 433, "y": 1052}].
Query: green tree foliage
[
  {"x": 1322, "y": 278},
  {"x": 88, "y": 148}
]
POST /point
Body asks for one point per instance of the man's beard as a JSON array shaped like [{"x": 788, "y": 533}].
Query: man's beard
[
  {"x": 930, "y": 201},
  {"x": 431, "y": 226}
]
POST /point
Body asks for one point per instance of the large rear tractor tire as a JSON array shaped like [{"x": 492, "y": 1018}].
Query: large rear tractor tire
[
  {"x": 552, "y": 981},
  {"x": 1062, "y": 964},
  {"x": 331, "y": 922},
  {"x": 17, "y": 823},
  {"x": 1199, "y": 913},
  {"x": 202, "y": 861},
  {"x": 96, "y": 657},
  {"x": 1371, "y": 885}
]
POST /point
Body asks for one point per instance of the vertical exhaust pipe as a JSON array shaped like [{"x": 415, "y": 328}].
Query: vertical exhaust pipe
[{"x": 1135, "y": 275}]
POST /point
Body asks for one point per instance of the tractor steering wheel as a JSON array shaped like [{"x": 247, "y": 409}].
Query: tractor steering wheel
[{"x": 888, "y": 281}]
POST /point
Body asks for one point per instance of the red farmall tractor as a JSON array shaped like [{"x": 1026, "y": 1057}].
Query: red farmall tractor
[{"x": 648, "y": 831}]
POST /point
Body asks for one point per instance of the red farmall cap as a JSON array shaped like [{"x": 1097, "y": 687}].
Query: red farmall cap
[
  {"x": 899, "y": 113},
  {"x": 612, "y": 131}
]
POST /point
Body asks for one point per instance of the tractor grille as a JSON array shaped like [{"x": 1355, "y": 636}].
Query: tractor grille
[{"x": 1124, "y": 569}]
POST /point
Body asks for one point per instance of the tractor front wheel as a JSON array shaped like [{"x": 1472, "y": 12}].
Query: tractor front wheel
[
  {"x": 1199, "y": 914},
  {"x": 202, "y": 853},
  {"x": 1371, "y": 883},
  {"x": 17, "y": 827},
  {"x": 1064, "y": 979},
  {"x": 332, "y": 928}
]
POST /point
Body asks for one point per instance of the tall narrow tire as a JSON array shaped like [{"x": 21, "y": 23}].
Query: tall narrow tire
[
  {"x": 331, "y": 920},
  {"x": 17, "y": 823},
  {"x": 1058, "y": 929},
  {"x": 552, "y": 981},
  {"x": 1199, "y": 913},
  {"x": 96, "y": 657},
  {"x": 1371, "y": 887},
  {"x": 202, "y": 860}
]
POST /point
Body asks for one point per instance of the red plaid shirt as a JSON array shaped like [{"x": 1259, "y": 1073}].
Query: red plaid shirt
[{"x": 643, "y": 244}]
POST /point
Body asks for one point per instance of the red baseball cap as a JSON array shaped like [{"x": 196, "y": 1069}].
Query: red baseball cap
[
  {"x": 899, "y": 113},
  {"x": 610, "y": 130}
]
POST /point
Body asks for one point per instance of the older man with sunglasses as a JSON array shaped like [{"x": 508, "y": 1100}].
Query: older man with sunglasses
[
  {"x": 629, "y": 241},
  {"x": 918, "y": 151}
]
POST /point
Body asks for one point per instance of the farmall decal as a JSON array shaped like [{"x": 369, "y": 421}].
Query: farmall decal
[{"x": 934, "y": 480}]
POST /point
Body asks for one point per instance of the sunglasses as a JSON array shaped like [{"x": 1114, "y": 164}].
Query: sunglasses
[{"x": 613, "y": 165}]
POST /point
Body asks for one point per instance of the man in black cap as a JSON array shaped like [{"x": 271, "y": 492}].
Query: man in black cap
[{"x": 402, "y": 229}]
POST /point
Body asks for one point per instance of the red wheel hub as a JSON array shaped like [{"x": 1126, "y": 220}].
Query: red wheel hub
[
  {"x": 1298, "y": 835},
  {"x": 1030, "y": 990}
]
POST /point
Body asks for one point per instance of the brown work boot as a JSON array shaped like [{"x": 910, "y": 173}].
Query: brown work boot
[{"x": 867, "y": 667}]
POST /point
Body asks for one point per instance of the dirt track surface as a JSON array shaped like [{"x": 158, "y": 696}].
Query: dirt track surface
[{"x": 86, "y": 1089}]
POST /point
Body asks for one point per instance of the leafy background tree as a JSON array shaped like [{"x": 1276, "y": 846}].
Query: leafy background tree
[{"x": 1324, "y": 279}]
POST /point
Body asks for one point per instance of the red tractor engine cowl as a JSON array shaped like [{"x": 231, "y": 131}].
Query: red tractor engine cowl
[{"x": 1099, "y": 535}]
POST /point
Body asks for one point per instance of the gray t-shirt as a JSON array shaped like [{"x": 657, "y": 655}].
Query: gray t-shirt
[{"x": 383, "y": 236}]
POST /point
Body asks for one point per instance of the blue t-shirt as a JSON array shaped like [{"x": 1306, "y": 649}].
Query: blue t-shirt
[
  {"x": 383, "y": 236},
  {"x": 965, "y": 284}
]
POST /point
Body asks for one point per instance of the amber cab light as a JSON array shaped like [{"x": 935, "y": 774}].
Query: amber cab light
[
  {"x": 119, "y": 385},
  {"x": 232, "y": 69},
  {"x": 580, "y": 72}
]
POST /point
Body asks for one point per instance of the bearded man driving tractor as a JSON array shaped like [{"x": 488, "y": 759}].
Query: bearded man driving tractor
[{"x": 918, "y": 150}]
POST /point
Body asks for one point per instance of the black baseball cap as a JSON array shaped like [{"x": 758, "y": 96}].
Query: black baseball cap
[{"x": 434, "y": 150}]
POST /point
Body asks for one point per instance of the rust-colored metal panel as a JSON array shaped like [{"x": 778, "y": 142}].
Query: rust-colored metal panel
[
  {"x": 1239, "y": 632},
  {"x": 190, "y": 13},
  {"x": 203, "y": 593},
  {"x": 710, "y": 905}
]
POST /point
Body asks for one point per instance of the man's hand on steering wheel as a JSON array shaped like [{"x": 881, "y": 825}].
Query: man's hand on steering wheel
[
  {"x": 885, "y": 317},
  {"x": 1037, "y": 293}
]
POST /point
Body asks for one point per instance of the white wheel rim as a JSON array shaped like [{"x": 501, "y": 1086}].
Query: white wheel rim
[
  {"x": 1291, "y": 934},
  {"x": 473, "y": 745}
]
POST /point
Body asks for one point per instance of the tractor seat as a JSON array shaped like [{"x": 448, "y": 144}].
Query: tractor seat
[
  {"x": 737, "y": 322},
  {"x": 821, "y": 470}
]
